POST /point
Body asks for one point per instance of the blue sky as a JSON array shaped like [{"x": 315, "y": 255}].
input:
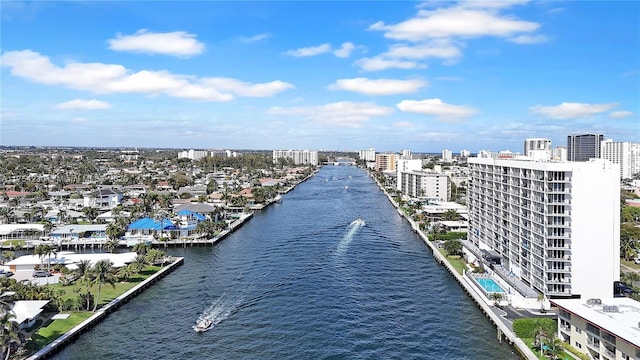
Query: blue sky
[{"x": 339, "y": 75}]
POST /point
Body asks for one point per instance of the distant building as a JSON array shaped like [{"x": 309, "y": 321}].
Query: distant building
[
  {"x": 386, "y": 162},
  {"x": 103, "y": 199},
  {"x": 368, "y": 155},
  {"x": 193, "y": 154},
  {"x": 625, "y": 154},
  {"x": 405, "y": 166},
  {"x": 405, "y": 154},
  {"x": 582, "y": 147},
  {"x": 536, "y": 144},
  {"x": 447, "y": 155},
  {"x": 425, "y": 185},
  {"x": 559, "y": 153},
  {"x": 465, "y": 153},
  {"x": 604, "y": 328},
  {"x": 299, "y": 157},
  {"x": 547, "y": 225}
]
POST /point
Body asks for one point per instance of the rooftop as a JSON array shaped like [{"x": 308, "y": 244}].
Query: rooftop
[{"x": 618, "y": 316}]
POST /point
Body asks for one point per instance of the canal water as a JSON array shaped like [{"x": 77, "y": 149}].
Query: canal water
[{"x": 304, "y": 280}]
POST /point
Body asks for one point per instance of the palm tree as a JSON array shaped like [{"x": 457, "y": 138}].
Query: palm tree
[
  {"x": 496, "y": 297},
  {"x": 102, "y": 274},
  {"x": 128, "y": 271},
  {"x": 111, "y": 245},
  {"x": 40, "y": 250},
  {"x": 83, "y": 271},
  {"x": 9, "y": 333},
  {"x": 453, "y": 247},
  {"x": 541, "y": 299},
  {"x": 141, "y": 248},
  {"x": 50, "y": 250}
]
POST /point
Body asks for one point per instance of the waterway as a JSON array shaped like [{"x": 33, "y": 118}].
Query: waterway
[{"x": 302, "y": 280}]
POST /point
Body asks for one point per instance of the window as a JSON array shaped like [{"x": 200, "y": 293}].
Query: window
[{"x": 578, "y": 345}]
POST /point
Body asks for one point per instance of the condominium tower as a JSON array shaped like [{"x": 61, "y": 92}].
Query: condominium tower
[
  {"x": 299, "y": 157},
  {"x": 386, "y": 162},
  {"x": 625, "y": 154},
  {"x": 582, "y": 147},
  {"x": 536, "y": 144},
  {"x": 547, "y": 222}
]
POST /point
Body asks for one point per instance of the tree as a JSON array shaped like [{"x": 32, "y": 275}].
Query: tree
[
  {"x": 111, "y": 245},
  {"x": 102, "y": 274},
  {"x": 541, "y": 300},
  {"x": 141, "y": 248},
  {"x": 114, "y": 231},
  {"x": 83, "y": 272},
  {"x": 496, "y": 297},
  {"x": 627, "y": 248},
  {"x": 453, "y": 247},
  {"x": 451, "y": 215},
  {"x": 9, "y": 334},
  {"x": 90, "y": 213},
  {"x": 127, "y": 272}
]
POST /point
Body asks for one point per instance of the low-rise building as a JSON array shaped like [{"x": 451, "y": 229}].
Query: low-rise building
[{"x": 601, "y": 328}]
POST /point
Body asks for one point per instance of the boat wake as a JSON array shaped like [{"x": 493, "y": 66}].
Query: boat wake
[
  {"x": 352, "y": 229},
  {"x": 217, "y": 312}
]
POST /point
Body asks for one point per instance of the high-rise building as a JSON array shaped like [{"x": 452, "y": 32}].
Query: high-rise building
[
  {"x": 465, "y": 153},
  {"x": 386, "y": 162},
  {"x": 625, "y": 154},
  {"x": 559, "y": 153},
  {"x": 447, "y": 155},
  {"x": 299, "y": 157},
  {"x": 424, "y": 184},
  {"x": 536, "y": 144},
  {"x": 404, "y": 166},
  {"x": 368, "y": 155},
  {"x": 405, "y": 154},
  {"x": 582, "y": 147},
  {"x": 545, "y": 224},
  {"x": 193, "y": 154}
]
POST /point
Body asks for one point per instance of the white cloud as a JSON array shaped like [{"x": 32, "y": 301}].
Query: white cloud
[
  {"x": 345, "y": 50},
  {"x": 106, "y": 78},
  {"x": 455, "y": 21},
  {"x": 620, "y": 114},
  {"x": 79, "y": 104},
  {"x": 247, "y": 89},
  {"x": 310, "y": 51},
  {"x": 494, "y": 4},
  {"x": 436, "y": 108},
  {"x": 379, "y": 63},
  {"x": 571, "y": 110},
  {"x": 340, "y": 114},
  {"x": 177, "y": 43},
  {"x": 437, "y": 49},
  {"x": 255, "y": 38},
  {"x": 378, "y": 86},
  {"x": 403, "y": 124},
  {"x": 529, "y": 39}
]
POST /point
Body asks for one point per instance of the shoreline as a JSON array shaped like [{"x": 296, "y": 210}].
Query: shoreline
[
  {"x": 504, "y": 333},
  {"x": 71, "y": 335}
]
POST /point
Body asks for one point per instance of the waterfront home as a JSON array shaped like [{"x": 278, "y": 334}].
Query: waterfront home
[
  {"x": 69, "y": 259},
  {"x": 95, "y": 233},
  {"x": 21, "y": 231},
  {"x": 148, "y": 226},
  {"x": 27, "y": 312}
]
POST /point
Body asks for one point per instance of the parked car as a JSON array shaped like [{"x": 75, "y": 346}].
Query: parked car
[
  {"x": 6, "y": 273},
  {"x": 41, "y": 273}
]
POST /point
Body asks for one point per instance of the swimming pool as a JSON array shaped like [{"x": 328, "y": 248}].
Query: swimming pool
[{"x": 489, "y": 285}]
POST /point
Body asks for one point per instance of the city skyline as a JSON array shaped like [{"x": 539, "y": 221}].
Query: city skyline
[{"x": 423, "y": 76}]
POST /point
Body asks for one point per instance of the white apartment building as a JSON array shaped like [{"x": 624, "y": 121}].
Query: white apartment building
[
  {"x": 299, "y": 157},
  {"x": 559, "y": 153},
  {"x": 556, "y": 225},
  {"x": 405, "y": 154},
  {"x": 368, "y": 155},
  {"x": 601, "y": 328},
  {"x": 625, "y": 154},
  {"x": 404, "y": 166},
  {"x": 447, "y": 155},
  {"x": 465, "y": 153},
  {"x": 425, "y": 185},
  {"x": 536, "y": 144},
  {"x": 193, "y": 154}
]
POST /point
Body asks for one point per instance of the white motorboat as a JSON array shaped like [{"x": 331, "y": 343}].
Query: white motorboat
[{"x": 203, "y": 324}]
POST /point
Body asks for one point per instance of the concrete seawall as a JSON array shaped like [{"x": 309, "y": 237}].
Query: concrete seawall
[
  {"x": 101, "y": 313},
  {"x": 504, "y": 332}
]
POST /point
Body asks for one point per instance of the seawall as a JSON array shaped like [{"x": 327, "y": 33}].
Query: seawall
[
  {"x": 103, "y": 312},
  {"x": 504, "y": 332}
]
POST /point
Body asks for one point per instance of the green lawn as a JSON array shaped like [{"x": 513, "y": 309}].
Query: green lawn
[
  {"x": 55, "y": 328},
  {"x": 458, "y": 264},
  {"x": 13, "y": 242}
]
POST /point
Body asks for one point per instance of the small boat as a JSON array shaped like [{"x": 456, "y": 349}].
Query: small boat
[
  {"x": 203, "y": 325},
  {"x": 278, "y": 198}
]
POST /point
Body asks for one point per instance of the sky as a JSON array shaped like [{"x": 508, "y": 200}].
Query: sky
[{"x": 318, "y": 75}]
